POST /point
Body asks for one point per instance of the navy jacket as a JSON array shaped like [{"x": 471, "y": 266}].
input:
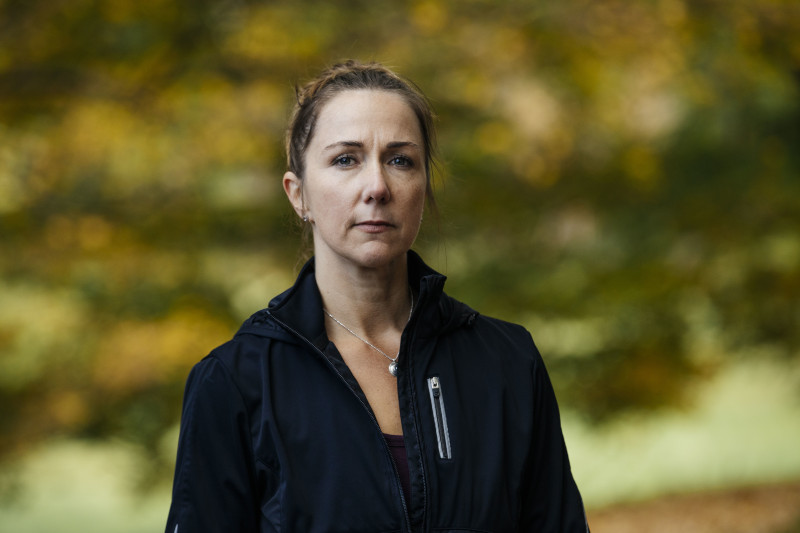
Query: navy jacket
[{"x": 276, "y": 434}]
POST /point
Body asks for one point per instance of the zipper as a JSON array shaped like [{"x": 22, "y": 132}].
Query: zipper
[
  {"x": 439, "y": 417},
  {"x": 366, "y": 408}
]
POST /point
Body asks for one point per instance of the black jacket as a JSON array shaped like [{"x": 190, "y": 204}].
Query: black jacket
[{"x": 276, "y": 434}]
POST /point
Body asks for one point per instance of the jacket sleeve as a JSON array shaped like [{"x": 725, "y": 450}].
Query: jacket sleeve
[
  {"x": 213, "y": 489},
  {"x": 553, "y": 503}
]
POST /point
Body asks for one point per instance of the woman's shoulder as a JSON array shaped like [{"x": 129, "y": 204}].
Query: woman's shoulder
[
  {"x": 240, "y": 357},
  {"x": 487, "y": 324},
  {"x": 255, "y": 333},
  {"x": 505, "y": 326},
  {"x": 510, "y": 339},
  {"x": 234, "y": 370},
  {"x": 257, "y": 337},
  {"x": 229, "y": 361}
]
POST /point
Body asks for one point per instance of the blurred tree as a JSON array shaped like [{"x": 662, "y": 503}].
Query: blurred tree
[{"x": 621, "y": 178}]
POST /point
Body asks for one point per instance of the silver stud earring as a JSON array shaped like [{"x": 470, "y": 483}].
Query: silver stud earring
[{"x": 305, "y": 218}]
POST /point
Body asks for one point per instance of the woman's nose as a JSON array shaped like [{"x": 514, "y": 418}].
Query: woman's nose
[{"x": 376, "y": 185}]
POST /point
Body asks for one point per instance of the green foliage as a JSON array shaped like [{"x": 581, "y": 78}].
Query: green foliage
[{"x": 620, "y": 177}]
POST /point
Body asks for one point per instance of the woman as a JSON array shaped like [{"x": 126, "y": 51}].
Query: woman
[{"x": 364, "y": 398}]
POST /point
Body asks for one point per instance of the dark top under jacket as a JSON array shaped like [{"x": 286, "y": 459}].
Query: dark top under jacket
[{"x": 277, "y": 436}]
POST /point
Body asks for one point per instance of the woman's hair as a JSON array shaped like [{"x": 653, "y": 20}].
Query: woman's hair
[{"x": 348, "y": 76}]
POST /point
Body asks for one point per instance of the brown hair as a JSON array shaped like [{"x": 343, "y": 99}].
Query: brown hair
[{"x": 354, "y": 75}]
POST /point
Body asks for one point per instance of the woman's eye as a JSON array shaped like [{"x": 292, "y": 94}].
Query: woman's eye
[
  {"x": 401, "y": 161},
  {"x": 344, "y": 161}
]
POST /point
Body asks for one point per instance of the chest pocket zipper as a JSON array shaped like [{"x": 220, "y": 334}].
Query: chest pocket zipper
[{"x": 439, "y": 417}]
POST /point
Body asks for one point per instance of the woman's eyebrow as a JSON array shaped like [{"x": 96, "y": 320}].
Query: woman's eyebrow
[
  {"x": 401, "y": 144},
  {"x": 352, "y": 144},
  {"x": 359, "y": 144}
]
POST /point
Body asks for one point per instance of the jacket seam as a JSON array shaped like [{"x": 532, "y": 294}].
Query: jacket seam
[
  {"x": 183, "y": 482},
  {"x": 235, "y": 385}
]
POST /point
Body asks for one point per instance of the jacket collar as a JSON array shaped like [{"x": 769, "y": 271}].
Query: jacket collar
[{"x": 300, "y": 307}]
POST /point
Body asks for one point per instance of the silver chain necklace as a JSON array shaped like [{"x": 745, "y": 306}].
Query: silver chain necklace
[{"x": 393, "y": 364}]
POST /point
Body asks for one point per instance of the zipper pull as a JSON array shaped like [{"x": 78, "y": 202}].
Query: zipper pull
[{"x": 439, "y": 417}]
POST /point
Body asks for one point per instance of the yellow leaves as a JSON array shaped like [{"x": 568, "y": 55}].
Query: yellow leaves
[
  {"x": 173, "y": 145},
  {"x": 534, "y": 110},
  {"x": 23, "y": 173},
  {"x": 7, "y": 336},
  {"x": 94, "y": 232},
  {"x": 259, "y": 37},
  {"x": 532, "y": 133},
  {"x": 654, "y": 114},
  {"x": 748, "y": 34},
  {"x": 534, "y": 137},
  {"x": 429, "y": 16},
  {"x": 12, "y": 190},
  {"x": 94, "y": 128},
  {"x": 536, "y": 170},
  {"x": 216, "y": 124},
  {"x": 89, "y": 232},
  {"x": 98, "y": 134},
  {"x": 570, "y": 337},
  {"x": 780, "y": 252},
  {"x": 134, "y": 355},
  {"x": 642, "y": 166},
  {"x": 120, "y": 11},
  {"x": 672, "y": 12},
  {"x": 641, "y": 100},
  {"x": 274, "y": 33},
  {"x": 39, "y": 328},
  {"x": 512, "y": 43},
  {"x": 494, "y": 138},
  {"x": 467, "y": 86},
  {"x": 68, "y": 409},
  {"x": 264, "y": 101}
]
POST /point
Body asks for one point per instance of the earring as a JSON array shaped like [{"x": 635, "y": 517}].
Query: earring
[{"x": 305, "y": 218}]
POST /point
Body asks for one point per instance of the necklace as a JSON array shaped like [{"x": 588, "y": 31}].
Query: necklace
[{"x": 393, "y": 364}]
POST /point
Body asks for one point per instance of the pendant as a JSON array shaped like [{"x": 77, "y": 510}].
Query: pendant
[{"x": 393, "y": 368}]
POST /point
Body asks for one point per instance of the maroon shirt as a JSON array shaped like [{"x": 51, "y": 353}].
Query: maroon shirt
[{"x": 397, "y": 447}]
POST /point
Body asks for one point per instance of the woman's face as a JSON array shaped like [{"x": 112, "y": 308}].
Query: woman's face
[{"x": 364, "y": 185}]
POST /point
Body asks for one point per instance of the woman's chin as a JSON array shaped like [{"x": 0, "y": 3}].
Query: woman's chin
[
  {"x": 375, "y": 254},
  {"x": 378, "y": 255},
  {"x": 380, "y": 259}
]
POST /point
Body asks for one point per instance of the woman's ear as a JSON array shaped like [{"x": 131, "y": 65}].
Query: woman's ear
[{"x": 293, "y": 187}]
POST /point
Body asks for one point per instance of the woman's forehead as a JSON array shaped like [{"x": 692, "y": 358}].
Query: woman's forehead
[{"x": 366, "y": 116}]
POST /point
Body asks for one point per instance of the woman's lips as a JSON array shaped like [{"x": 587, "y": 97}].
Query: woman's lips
[{"x": 374, "y": 226}]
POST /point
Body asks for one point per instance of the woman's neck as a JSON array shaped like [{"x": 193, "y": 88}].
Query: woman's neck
[{"x": 366, "y": 299}]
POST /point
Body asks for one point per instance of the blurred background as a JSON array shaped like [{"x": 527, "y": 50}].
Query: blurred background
[{"x": 623, "y": 178}]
